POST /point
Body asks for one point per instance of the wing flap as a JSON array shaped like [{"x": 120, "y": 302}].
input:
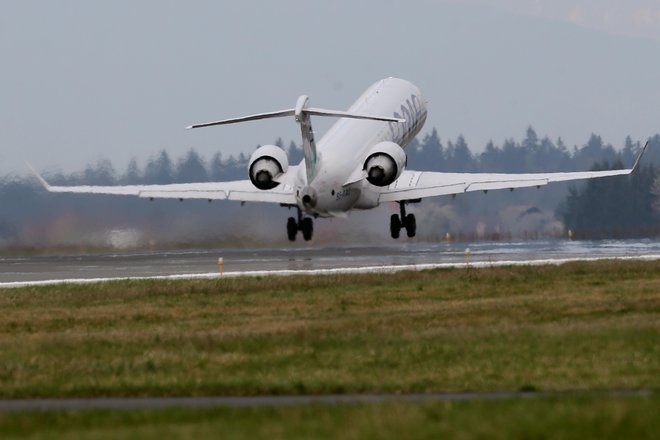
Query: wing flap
[
  {"x": 487, "y": 186},
  {"x": 284, "y": 196}
]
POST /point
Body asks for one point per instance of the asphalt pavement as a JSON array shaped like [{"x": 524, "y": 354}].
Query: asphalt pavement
[{"x": 17, "y": 271}]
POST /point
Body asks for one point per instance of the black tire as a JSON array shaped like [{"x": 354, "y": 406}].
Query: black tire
[
  {"x": 395, "y": 226},
  {"x": 411, "y": 225},
  {"x": 307, "y": 227},
  {"x": 291, "y": 229}
]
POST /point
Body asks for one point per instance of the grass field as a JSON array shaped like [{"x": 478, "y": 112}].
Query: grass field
[
  {"x": 578, "y": 326},
  {"x": 566, "y": 418}
]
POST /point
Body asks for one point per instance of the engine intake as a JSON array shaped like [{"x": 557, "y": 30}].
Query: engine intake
[
  {"x": 266, "y": 165},
  {"x": 385, "y": 163}
]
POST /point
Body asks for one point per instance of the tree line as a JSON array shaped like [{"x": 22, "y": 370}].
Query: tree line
[
  {"x": 532, "y": 154},
  {"x": 604, "y": 207}
]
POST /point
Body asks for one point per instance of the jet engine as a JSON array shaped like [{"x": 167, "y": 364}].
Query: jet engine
[
  {"x": 266, "y": 164},
  {"x": 384, "y": 164}
]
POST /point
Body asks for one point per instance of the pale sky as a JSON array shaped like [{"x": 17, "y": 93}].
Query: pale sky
[
  {"x": 82, "y": 80},
  {"x": 638, "y": 18}
]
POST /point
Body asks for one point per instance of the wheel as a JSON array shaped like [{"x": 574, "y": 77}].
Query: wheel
[
  {"x": 291, "y": 228},
  {"x": 307, "y": 226},
  {"x": 411, "y": 225},
  {"x": 395, "y": 226}
]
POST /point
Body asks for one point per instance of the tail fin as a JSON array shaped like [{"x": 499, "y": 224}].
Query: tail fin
[{"x": 302, "y": 114}]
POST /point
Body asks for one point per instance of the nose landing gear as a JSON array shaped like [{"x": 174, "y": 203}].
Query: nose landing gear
[
  {"x": 303, "y": 224},
  {"x": 403, "y": 221}
]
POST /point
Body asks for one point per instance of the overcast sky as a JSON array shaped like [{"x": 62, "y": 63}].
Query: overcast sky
[
  {"x": 639, "y": 18},
  {"x": 82, "y": 80}
]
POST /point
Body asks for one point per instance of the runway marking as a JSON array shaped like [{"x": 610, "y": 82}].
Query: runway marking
[
  {"x": 332, "y": 271},
  {"x": 134, "y": 403}
]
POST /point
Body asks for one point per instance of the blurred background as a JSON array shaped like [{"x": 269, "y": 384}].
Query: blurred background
[{"x": 100, "y": 93}]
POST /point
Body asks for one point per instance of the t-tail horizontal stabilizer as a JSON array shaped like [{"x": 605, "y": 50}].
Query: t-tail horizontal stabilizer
[{"x": 312, "y": 111}]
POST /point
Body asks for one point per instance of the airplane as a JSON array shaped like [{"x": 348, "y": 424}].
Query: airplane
[{"x": 358, "y": 164}]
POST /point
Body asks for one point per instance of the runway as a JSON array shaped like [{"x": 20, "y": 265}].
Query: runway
[
  {"x": 301, "y": 259},
  {"x": 137, "y": 403}
]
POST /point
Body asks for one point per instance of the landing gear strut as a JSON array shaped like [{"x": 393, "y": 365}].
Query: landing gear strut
[
  {"x": 403, "y": 221},
  {"x": 304, "y": 224}
]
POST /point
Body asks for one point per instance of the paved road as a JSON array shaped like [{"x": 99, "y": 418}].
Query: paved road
[
  {"x": 310, "y": 259},
  {"x": 121, "y": 403}
]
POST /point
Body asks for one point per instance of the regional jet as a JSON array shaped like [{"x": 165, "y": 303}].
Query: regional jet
[{"x": 358, "y": 164}]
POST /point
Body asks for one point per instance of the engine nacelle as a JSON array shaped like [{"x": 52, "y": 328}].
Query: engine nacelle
[
  {"x": 266, "y": 164},
  {"x": 385, "y": 163}
]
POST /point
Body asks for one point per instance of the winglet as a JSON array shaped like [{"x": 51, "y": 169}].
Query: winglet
[
  {"x": 639, "y": 157},
  {"x": 38, "y": 176}
]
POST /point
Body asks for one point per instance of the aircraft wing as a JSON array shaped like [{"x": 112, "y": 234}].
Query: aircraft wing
[
  {"x": 413, "y": 185},
  {"x": 238, "y": 190}
]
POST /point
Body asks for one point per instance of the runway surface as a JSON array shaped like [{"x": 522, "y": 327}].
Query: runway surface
[
  {"x": 128, "y": 403},
  {"x": 21, "y": 271}
]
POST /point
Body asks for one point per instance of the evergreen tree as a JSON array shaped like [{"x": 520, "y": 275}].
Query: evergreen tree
[
  {"x": 294, "y": 154},
  {"x": 236, "y": 167},
  {"x": 132, "y": 175},
  {"x": 642, "y": 198},
  {"x": 594, "y": 151},
  {"x": 629, "y": 151},
  {"x": 513, "y": 157},
  {"x": 191, "y": 168},
  {"x": 531, "y": 142},
  {"x": 217, "y": 168},
  {"x": 653, "y": 153},
  {"x": 460, "y": 157},
  {"x": 159, "y": 170},
  {"x": 656, "y": 194},
  {"x": 565, "y": 155},
  {"x": 549, "y": 157},
  {"x": 491, "y": 159},
  {"x": 612, "y": 206},
  {"x": 103, "y": 173},
  {"x": 432, "y": 154}
]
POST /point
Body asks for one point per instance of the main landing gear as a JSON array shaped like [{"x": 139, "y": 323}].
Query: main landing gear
[
  {"x": 404, "y": 221},
  {"x": 303, "y": 224}
]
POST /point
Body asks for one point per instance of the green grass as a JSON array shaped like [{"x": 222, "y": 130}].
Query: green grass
[
  {"x": 538, "y": 418},
  {"x": 577, "y": 326}
]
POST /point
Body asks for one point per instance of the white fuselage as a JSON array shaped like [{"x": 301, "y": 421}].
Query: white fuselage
[{"x": 344, "y": 148}]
